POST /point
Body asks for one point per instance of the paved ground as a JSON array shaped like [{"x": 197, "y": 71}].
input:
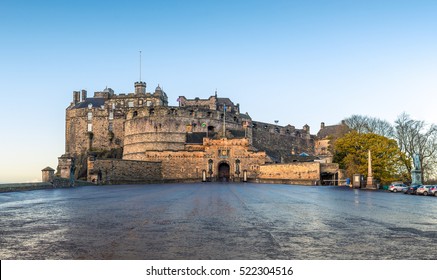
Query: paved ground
[{"x": 216, "y": 221}]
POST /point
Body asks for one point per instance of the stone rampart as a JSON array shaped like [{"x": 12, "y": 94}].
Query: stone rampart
[
  {"x": 163, "y": 128},
  {"x": 278, "y": 143},
  {"x": 56, "y": 183},
  {"x": 307, "y": 173},
  {"x": 116, "y": 171},
  {"x": 329, "y": 168}
]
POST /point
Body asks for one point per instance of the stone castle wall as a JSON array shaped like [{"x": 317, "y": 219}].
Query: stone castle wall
[
  {"x": 280, "y": 142},
  {"x": 189, "y": 164},
  {"x": 166, "y": 128},
  {"x": 329, "y": 168},
  {"x": 210, "y": 103},
  {"x": 101, "y": 136},
  {"x": 299, "y": 172},
  {"x": 115, "y": 171}
]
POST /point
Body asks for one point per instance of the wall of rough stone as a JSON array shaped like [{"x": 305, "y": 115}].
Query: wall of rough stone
[
  {"x": 280, "y": 143},
  {"x": 115, "y": 171},
  {"x": 78, "y": 138},
  {"x": 302, "y": 172},
  {"x": 57, "y": 182},
  {"x": 165, "y": 128},
  {"x": 329, "y": 168},
  {"x": 189, "y": 164},
  {"x": 197, "y": 102}
]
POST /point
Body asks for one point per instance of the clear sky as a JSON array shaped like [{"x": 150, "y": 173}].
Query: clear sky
[{"x": 296, "y": 61}]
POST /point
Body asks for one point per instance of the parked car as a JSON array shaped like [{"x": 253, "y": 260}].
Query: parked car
[
  {"x": 397, "y": 187},
  {"x": 411, "y": 189},
  {"x": 433, "y": 190},
  {"x": 425, "y": 189}
]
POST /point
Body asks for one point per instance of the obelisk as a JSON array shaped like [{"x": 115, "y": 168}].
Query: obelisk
[{"x": 370, "y": 184}]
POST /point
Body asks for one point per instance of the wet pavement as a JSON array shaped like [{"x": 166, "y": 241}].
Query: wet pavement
[{"x": 216, "y": 221}]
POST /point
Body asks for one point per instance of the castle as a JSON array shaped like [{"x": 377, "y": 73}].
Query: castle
[{"x": 137, "y": 137}]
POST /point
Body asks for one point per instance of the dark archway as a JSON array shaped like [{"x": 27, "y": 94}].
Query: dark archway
[
  {"x": 223, "y": 172},
  {"x": 328, "y": 178}
]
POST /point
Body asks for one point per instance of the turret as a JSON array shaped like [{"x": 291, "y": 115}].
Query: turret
[
  {"x": 161, "y": 96},
  {"x": 140, "y": 88}
]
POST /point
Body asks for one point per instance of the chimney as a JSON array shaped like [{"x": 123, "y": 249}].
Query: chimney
[
  {"x": 322, "y": 125},
  {"x": 83, "y": 95},
  {"x": 76, "y": 97}
]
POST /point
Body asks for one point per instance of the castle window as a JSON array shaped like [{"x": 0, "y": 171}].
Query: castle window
[
  {"x": 90, "y": 127},
  {"x": 148, "y": 103},
  {"x": 140, "y": 102},
  {"x": 90, "y": 116},
  {"x": 135, "y": 114},
  {"x": 111, "y": 126},
  {"x": 111, "y": 115},
  {"x": 130, "y": 104}
]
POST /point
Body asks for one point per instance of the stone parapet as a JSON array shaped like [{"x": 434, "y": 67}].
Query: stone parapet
[
  {"x": 298, "y": 171},
  {"x": 116, "y": 171}
]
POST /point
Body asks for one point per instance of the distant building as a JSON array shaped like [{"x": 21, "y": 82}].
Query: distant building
[{"x": 325, "y": 137}]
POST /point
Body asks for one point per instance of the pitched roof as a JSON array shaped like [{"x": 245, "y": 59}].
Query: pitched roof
[
  {"x": 96, "y": 103},
  {"x": 334, "y": 131},
  {"x": 48, "y": 168},
  {"x": 225, "y": 100}
]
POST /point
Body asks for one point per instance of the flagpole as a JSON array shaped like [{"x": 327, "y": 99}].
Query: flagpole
[{"x": 224, "y": 121}]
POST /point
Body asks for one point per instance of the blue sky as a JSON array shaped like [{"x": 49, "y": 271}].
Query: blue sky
[{"x": 299, "y": 62}]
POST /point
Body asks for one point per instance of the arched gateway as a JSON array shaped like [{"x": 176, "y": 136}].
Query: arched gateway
[{"x": 223, "y": 172}]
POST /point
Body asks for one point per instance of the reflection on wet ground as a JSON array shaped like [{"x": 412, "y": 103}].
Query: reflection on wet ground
[{"x": 216, "y": 221}]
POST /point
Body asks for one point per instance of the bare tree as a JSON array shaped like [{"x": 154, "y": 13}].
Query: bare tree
[
  {"x": 416, "y": 137},
  {"x": 365, "y": 124}
]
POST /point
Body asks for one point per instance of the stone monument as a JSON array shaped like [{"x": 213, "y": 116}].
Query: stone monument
[
  {"x": 370, "y": 184},
  {"x": 416, "y": 172}
]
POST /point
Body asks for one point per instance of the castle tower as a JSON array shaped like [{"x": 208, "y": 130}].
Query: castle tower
[
  {"x": 161, "y": 96},
  {"x": 47, "y": 174},
  {"x": 140, "y": 88}
]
